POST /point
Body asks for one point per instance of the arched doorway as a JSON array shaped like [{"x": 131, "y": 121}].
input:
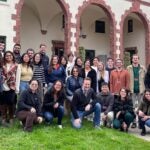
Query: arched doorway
[
  {"x": 96, "y": 30},
  {"x": 42, "y": 22}
]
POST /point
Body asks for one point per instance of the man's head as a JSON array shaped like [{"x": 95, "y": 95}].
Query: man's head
[
  {"x": 43, "y": 48},
  {"x": 135, "y": 59},
  {"x": 119, "y": 63},
  {"x": 2, "y": 46},
  {"x": 87, "y": 83},
  {"x": 30, "y": 52},
  {"x": 17, "y": 48},
  {"x": 110, "y": 62},
  {"x": 104, "y": 87}
]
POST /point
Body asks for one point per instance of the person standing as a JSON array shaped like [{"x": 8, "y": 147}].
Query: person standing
[
  {"x": 45, "y": 58},
  {"x": 84, "y": 103},
  {"x": 147, "y": 78},
  {"x": 11, "y": 78},
  {"x": 137, "y": 74},
  {"x": 2, "y": 48},
  {"x": 16, "y": 52},
  {"x": 119, "y": 78}
]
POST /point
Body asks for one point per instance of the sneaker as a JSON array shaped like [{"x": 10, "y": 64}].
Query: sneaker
[
  {"x": 133, "y": 125},
  {"x": 97, "y": 127},
  {"x": 60, "y": 126}
]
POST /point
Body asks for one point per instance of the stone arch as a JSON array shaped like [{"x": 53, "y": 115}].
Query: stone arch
[
  {"x": 136, "y": 9},
  {"x": 67, "y": 14},
  {"x": 111, "y": 16}
]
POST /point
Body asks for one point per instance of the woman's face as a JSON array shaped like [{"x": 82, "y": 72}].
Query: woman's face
[
  {"x": 75, "y": 72},
  {"x": 55, "y": 61},
  {"x": 33, "y": 85},
  {"x": 100, "y": 66},
  {"x": 147, "y": 95},
  {"x": 9, "y": 57},
  {"x": 26, "y": 58},
  {"x": 87, "y": 64},
  {"x": 123, "y": 93},
  {"x": 79, "y": 62},
  {"x": 37, "y": 58},
  {"x": 63, "y": 61},
  {"x": 58, "y": 86}
]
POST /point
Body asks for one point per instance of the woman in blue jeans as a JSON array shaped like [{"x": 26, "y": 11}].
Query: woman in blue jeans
[
  {"x": 144, "y": 112},
  {"x": 53, "y": 105}
]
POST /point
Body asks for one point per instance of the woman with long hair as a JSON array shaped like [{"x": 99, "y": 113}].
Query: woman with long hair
[
  {"x": 123, "y": 111},
  {"x": 29, "y": 106},
  {"x": 87, "y": 71},
  {"x": 26, "y": 72},
  {"x": 73, "y": 83},
  {"x": 102, "y": 75},
  {"x": 53, "y": 105},
  {"x": 55, "y": 71},
  {"x": 10, "y": 74},
  {"x": 38, "y": 72},
  {"x": 79, "y": 63},
  {"x": 144, "y": 112}
]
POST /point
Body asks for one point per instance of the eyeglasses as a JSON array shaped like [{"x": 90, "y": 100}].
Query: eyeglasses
[
  {"x": 8, "y": 56},
  {"x": 147, "y": 94},
  {"x": 75, "y": 71}
]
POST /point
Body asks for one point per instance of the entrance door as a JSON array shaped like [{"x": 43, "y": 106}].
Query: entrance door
[
  {"x": 58, "y": 48},
  {"x": 89, "y": 54}
]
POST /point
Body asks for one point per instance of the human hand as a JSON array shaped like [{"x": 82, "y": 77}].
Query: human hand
[
  {"x": 56, "y": 105},
  {"x": 33, "y": 110},
  {"x": 77, "y": 122},
  {"x": 87, "y": 108},
  {"x": 118, "y": 114},
  {"x": 39, "y": 119}
]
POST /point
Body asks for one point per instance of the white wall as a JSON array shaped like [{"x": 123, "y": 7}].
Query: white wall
[
  {"x": 31, "y": 31},
  {"x": 136, "y": 38}
]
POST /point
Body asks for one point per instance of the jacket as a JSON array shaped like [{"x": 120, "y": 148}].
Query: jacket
[
  {"x": 80, "y": 101},
  {"x": 141, "y": 78},
  {"x": 145, "y": 107},
  {"x": 49, "y": 101},
  {"x": 28, "y": 100},
  {"x": 73, "y": 84}
]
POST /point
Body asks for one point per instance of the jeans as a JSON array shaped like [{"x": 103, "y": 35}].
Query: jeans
[
  {"x": 96, "y": 120},
  {"x": 143, "y": 123},
  {"x": 49, "y": 115},
  {"x": 23, "y": 85}
]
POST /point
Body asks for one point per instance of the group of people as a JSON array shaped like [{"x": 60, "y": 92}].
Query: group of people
[{"x": 114, "y": 95}]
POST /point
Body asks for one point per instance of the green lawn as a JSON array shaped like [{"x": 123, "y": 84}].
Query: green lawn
[{"x": 46, "y": 137}]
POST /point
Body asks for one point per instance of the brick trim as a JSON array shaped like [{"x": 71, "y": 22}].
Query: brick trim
[
  {"x": 65, "y": 9},
  {"x": 111, "y": 16},
  {"x": 136, "y": 9}
]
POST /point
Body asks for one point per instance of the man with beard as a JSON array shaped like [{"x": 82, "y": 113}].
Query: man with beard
[{"x": 16, "y": 52}]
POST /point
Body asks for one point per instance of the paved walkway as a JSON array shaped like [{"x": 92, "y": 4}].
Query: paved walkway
[{"x": 136, "y": 132}]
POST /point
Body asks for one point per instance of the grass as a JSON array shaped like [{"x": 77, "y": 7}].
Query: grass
[{"x": 46, "y": 137}]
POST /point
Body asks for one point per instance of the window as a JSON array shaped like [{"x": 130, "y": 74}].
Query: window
[
  {"x": 3, "y": 40},
  {"x": 3, "y": 0},
  {"x": 99, "y": 26},
  {"x": 130, "y": 25}
]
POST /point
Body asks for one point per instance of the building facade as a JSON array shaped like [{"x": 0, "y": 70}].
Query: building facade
[{"x": 116, "y": 28}]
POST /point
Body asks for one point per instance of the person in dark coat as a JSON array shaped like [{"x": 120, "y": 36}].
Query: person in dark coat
[
  {"x": 84, "y": 103},
  {"x": 29, "y": 106},
  {"x": 53, "y": 105},
  {"x": 123, "y": 111},
  {"x": 144, "y": 112},
  {"x": 147, "y": 78},
  {"x": 87, "y": 71}
]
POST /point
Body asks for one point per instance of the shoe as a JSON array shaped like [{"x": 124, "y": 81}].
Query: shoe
[
  {"x": 27, "y": 130},
  {"x": 143, "y": 133},
  {"x": 133, "y": 125},
  {"x": 97, "y": 127},
  {"x": 60, "y": 126}
]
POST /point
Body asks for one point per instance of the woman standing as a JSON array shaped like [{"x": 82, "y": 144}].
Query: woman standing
[
  {"x": 10, "y": 86},
  {"x": 102, "y": 75},
  {"x": 38, "y": 72},
  {"x": 123, "y": 111},
  {"x": 53, "y": 105},
  {"x": 78, "y": 63},
  {"x": 144, "y": 112},
  {"x": 29, "y": 106},
  {"x": 73, "y": 83},
  {"x": 87, "y": 71},
  {"x": 55, "y": 72},
  {"x": 26, "y": 72}
]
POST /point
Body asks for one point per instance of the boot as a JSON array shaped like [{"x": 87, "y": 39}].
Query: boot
[{"x": 143, "y": 132}]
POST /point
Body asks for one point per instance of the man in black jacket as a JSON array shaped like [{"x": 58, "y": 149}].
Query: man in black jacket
[
  {"x": 83, "y": 104},
  {"x": 106, "y": 99}
]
